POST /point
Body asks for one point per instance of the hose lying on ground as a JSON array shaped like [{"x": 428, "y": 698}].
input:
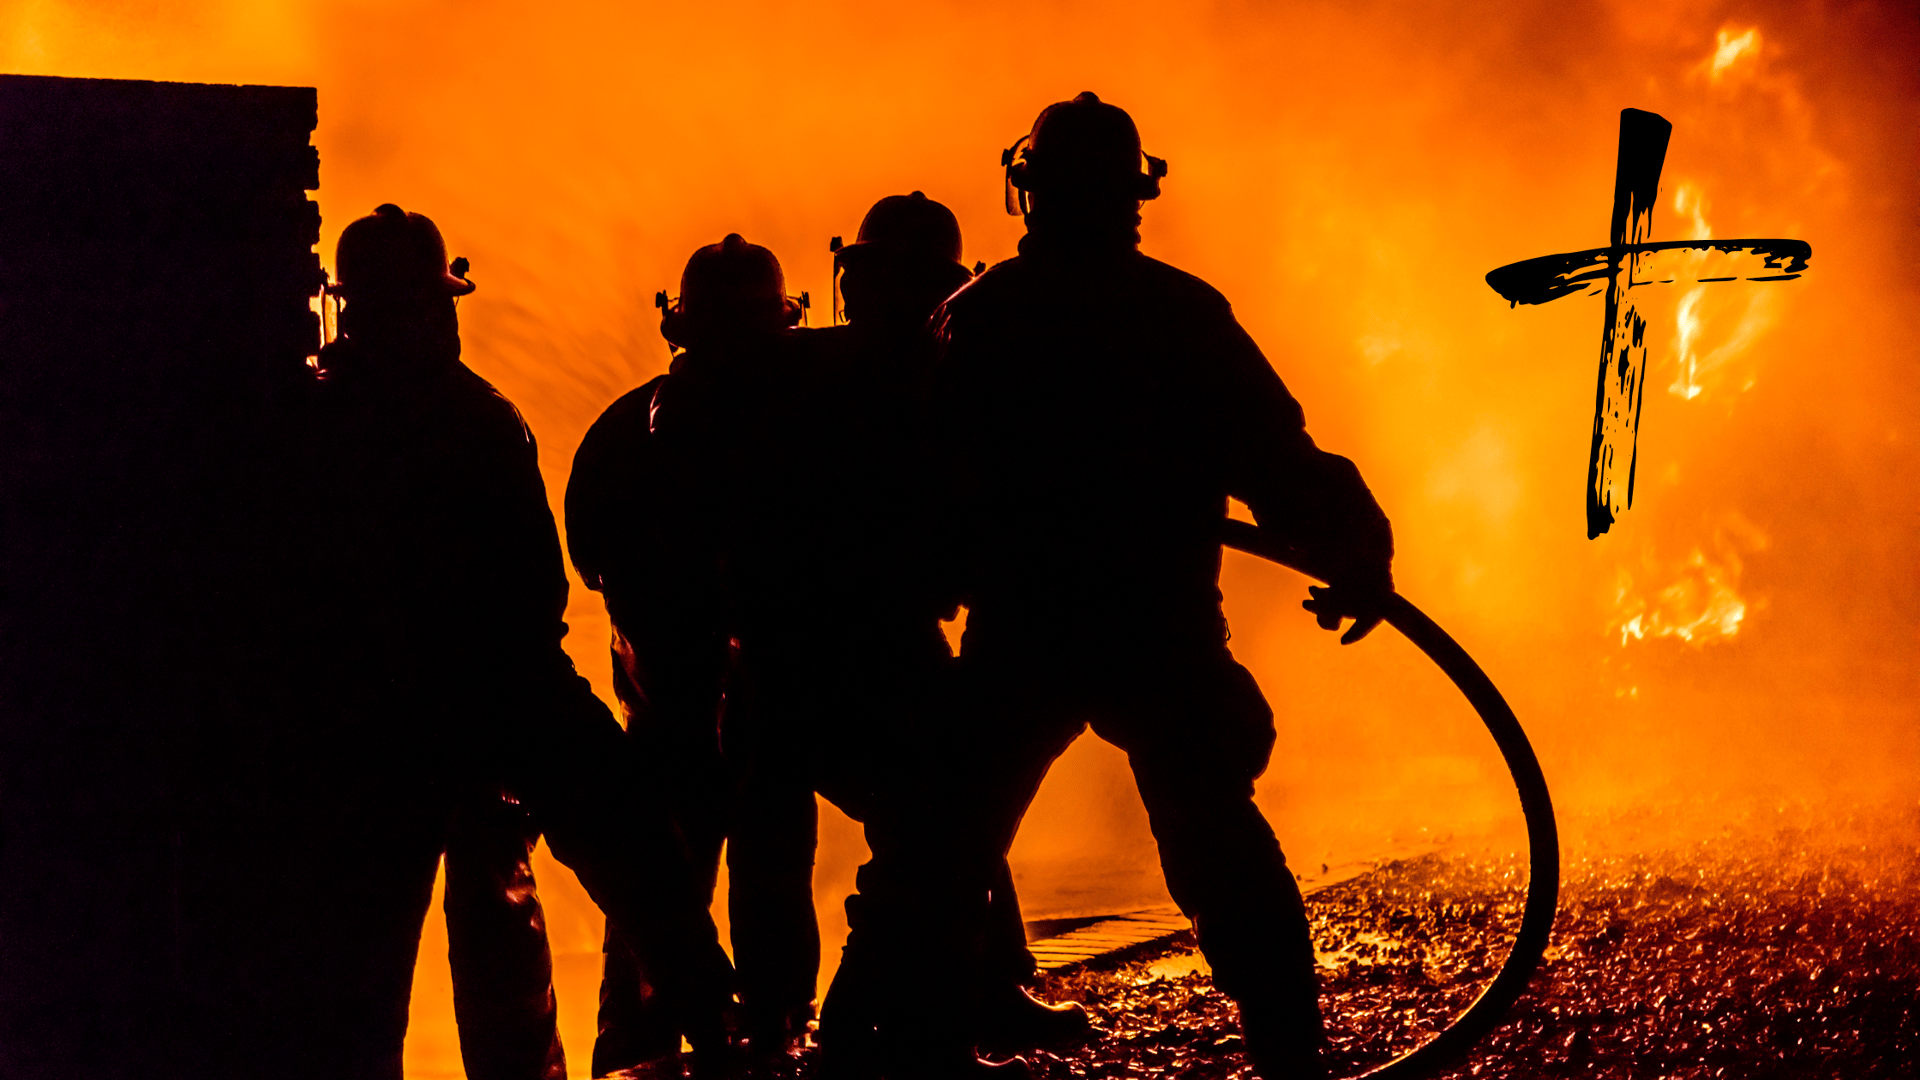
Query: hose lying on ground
[{"x": 1543, "y": 835}]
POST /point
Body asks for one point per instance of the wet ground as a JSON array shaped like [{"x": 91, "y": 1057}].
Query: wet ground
[{"x": 1782, "y": 952}]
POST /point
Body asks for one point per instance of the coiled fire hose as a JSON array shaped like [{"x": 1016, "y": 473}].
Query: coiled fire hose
[{"x": 1543, "y": 835}]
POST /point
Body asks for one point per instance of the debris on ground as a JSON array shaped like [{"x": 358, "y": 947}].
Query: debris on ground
[{"x": 1788, "y": 956}]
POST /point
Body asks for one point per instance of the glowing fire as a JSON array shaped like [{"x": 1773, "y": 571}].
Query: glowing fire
[
  {"x": 1695, "y": 371},
  {"x": 1731, "y": 50},
  {"x": 1700, "y": 607},
  {"x": 1700, "y": 603}
]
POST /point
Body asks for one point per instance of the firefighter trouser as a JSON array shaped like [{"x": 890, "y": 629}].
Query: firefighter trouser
[
  {"x": 497, "y": 946},
  {"x": 675, "y": 731},
  {"x": 853, "y": 716},
  {"x": 361, "y": 837},
  {"x": 1197, "y": 733},
  {"x": 776, "y": 940},
  {"x": 573, "y": 767}
]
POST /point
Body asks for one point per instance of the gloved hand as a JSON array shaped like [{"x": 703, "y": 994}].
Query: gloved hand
[{"x": 1363, "y": 602}]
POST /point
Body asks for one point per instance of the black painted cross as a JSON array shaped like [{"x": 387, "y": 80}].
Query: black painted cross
[{"x": 1630, "y": 261}]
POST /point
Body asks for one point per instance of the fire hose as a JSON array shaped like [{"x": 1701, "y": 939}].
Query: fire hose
[{"x": 1536, "y": 805}]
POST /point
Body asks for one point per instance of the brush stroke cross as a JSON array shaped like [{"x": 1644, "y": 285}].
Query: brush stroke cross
[{"x": 1630, "y": 261}]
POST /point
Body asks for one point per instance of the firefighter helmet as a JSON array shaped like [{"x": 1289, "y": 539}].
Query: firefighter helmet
[
  {"x": 1081, "y": 147},
  {"x": 906, "y": 228},
  {"x": 907, "y": 257},
  {"x": 396, "y": 255},
  {"x": 729, "y": 287}
]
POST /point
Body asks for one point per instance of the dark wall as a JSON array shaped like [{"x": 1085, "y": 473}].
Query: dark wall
[{"x": 156, "y": 260}]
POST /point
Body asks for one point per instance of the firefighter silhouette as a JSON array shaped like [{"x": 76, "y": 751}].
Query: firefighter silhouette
[
  {"x": 852, "y": 706},
  {"x": 1094, "y": 410},
  {"x": 662, "y": 488},
  {"x": 496, "y": 939},
  {"x": 436, "y": 602}
]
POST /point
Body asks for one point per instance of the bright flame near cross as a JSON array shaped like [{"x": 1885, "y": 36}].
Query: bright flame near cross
[
  {"x": 1630, "y": 261},
  {"x": 1700, "y": 602},
  {"x": 1730, "y": 49}
]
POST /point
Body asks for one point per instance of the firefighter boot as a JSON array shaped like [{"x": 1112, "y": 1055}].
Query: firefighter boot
[
  {"x": 1012, "y": 1019},
  {"x": 1283, "y": 1040}
]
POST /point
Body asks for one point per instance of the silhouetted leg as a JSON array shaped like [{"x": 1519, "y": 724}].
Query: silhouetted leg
[
  {"x": 776, "y": 936},
  {"x": 1006, "y": 960},
  {"x": 359, "y": 891},
  {"x": 1009, "y": 1019},
  {"x": 678, "y": 765},
  {"x": 627, "y": 1032},
  {"x": 849, "y": 1012},
  {"x": 574, "y": 772},
  {"x": 938, "y": 844},
  {"x": 497, "y": 947},
  {"x": 850, "y": 1009},
  {"x": 1195, "y": 763},
  {"x": 633, "y": 1024},
  {"x": 376, "y": 956},
  {"x": 305, "y": 918},
  {"x": 819, "y": 717}
]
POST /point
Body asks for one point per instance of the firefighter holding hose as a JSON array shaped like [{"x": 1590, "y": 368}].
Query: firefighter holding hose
[{"x": 1095, "y": 409}]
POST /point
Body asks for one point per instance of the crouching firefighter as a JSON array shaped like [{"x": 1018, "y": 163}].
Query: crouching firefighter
[
  {"x": 1096, "y": 409},
  {"x": 436, "y": 595},
  {"x": 663, "y": 486}
]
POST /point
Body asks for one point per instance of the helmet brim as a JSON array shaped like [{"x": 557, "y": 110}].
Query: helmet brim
[
  {"x": 868, "y": 251},
  {"x": 446, "y": 283}
]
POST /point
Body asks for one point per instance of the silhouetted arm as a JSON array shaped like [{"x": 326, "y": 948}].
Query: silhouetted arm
[
  {"x": 605, "y": 488},
  {"x": 556, "y": 745},
  {"x": 947, "y": 453},
  {"x": 1316, "y": 502},
  {"x": 510, "y": 582}
]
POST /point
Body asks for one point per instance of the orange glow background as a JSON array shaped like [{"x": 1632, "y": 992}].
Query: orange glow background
[{"x": 1745, "y": 637}]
